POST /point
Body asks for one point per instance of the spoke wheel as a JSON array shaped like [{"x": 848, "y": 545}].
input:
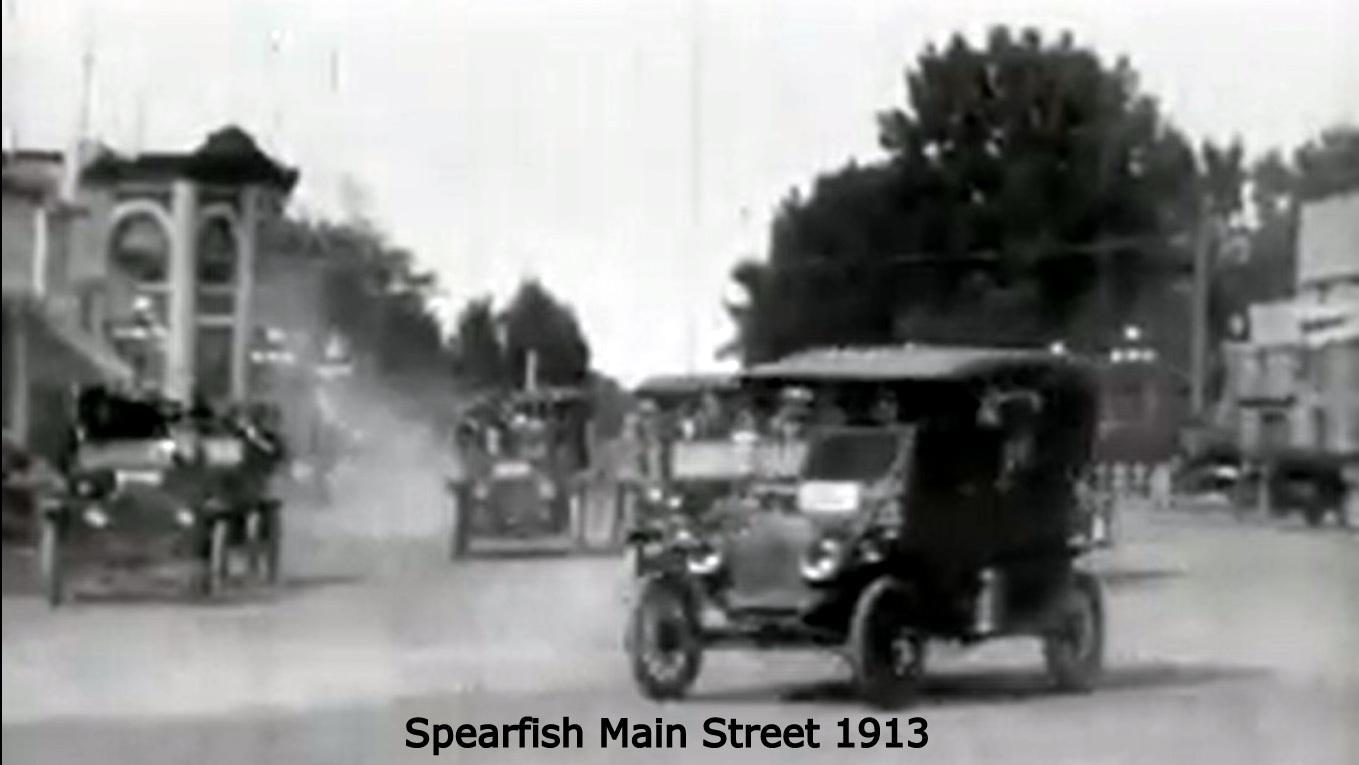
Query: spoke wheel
[
  {"x": 887, "y": 655},
  {"x": 664, "y": 642},
  {"x": 215, "y": 563},
  {"x": 1073, "y": 647},
  {"x": 50, "y": 564}
]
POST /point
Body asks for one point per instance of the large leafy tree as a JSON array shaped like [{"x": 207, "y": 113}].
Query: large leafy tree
[
  {"x": 1030, "y": 192},
  {"x": 537, "y": 323},
  {"x": 479, "y": 357},
  {"x": 493, "y": 349},
  {"x": 1277, "y": 186},
  {"x": 370, "y": 292}
]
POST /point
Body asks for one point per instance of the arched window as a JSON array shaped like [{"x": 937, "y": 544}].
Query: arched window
[
  {"x": 140, "y": 249},
  {"x": 216, "y": 253}
]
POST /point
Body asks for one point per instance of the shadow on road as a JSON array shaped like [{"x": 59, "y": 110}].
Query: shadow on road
[{"x": 991, "y": 686}]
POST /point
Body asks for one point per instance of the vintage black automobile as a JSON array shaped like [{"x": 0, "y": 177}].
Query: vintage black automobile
[
  {"x": 149, "y": 486},
  {"x": 690, "y": 453},
  {"x": 953, "y": 513},
  {"x": 520, "y": 491},
  {"x": 1307, "y": 482}
]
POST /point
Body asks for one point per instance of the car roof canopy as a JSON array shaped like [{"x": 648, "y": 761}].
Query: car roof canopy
[
  {"x": 903, "y": 363},
  {"x": 687, "y": 385}
]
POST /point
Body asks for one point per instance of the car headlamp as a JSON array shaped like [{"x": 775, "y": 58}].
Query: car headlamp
[
  {"x": 546, "y": 490},
  {"x": 822, "y": 561},
  {"x": 871, "y": 550},
  {"x": 95, "y": 517},
  {"x": 704, "y": 560},
  {"x": 184, "y": 517},
  {"x": 655, "y": 495}
]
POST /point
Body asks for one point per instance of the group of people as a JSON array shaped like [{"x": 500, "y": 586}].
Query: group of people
[{"x": 796, "y": 410}]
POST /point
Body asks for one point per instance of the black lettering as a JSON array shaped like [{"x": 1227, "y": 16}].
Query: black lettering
[
  {"x": 609, "y": 731},
  {"x": 443, "y": 737},
  {"x": 570, "y": 728},
  {"x": 675, "y": 731},
  {"x": 811, "y": 728},
  {"x": 713, "y": 727},
  {"x": 467, "y": 736},
  {"x": 489, "y": 737},
  {"x": 413, "y": 729},
  {"x": 918, "y": 725}
]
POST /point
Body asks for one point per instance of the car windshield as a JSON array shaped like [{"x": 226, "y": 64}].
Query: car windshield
[
  {"x": 851, "y": 456},
  {"x": 108, "y": 418}
]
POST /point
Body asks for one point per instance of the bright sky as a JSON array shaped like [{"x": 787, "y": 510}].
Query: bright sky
[{"x": 555, "y": 137}]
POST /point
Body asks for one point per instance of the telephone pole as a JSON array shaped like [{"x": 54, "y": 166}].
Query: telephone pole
[
  {"x": 1198, "y": 360},
  {"x": 695, "y": 181}
]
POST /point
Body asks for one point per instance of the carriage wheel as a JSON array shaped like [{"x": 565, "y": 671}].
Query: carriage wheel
[
  {"x": 50, "y": 563},
  {"x": 457, "y": 499},
  {"x": 213, "y": 577},
  {"x": 264, "y": 536},
  {"x": 664, "y": 643},
  {"x": 887, "y": 654},
  {"x": 1073, "y": 647}
]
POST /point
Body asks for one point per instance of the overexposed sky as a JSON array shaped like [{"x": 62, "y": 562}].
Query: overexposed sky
[{"x": 555, "y": 137}]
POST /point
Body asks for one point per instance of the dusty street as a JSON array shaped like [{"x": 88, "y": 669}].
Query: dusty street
[{"x": 1229, "y": 642}]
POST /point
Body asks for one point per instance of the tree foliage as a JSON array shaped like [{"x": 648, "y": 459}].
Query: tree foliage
[
  {"x": 1030, "y": 191},
  {"x": 371, "y": 293},
  {"x": 1277, "y": 186},
  {"x": 493, "y": 349}
]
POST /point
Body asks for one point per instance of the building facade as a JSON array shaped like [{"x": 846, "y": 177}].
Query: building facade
[
  {"x": 150, "y": 256},
  {"x": 1295, "y": 381}
]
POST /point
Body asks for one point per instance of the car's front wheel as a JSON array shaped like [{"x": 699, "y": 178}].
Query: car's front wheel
[
  {"x": 214, "y": 567},
  {"x": 49, "y": 562},
  {"x": 664, "y": 641},
  {"x": 1073, "y": 645},
  {"x": 460, "y": 509},
  {"x": 887, "y": 655},
  {"x": 264, "y": 537}
]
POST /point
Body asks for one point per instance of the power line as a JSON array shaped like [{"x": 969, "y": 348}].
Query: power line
[{"x": 974, "y": 258}]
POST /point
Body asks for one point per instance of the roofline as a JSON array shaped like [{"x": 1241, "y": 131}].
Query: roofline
[{"x": 1001, "y": 359}]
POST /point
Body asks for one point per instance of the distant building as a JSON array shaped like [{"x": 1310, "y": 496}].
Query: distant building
[
  {"x": 144, "y": 265},
  {"x": 1295, "y": 381}
]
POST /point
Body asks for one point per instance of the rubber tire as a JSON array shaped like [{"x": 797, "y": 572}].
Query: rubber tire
[
  {"x": 213, "y": 576},
  {"x": 458, "y": 528},
  {"x": 575, "y": 509},
  {"x": 1315, "y": 515},
  {"x": 1072, "y": 673},
  {"x": 49, "y": 562},
  {"x": 655, "y": 594},
  {"x": 265, "y": 547},
  {"x": 875, "y": 677}
]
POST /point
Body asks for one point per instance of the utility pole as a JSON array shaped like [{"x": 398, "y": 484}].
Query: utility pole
[
  {"x": 1198, "y": 361},
  {"x": 695, "y": 180}
]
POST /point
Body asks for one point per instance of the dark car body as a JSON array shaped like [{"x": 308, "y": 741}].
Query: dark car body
[
  {"x": 525, "y": 493},
  {"x": 959, "y": 519},
  {"x": 151, "y": 490}
]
